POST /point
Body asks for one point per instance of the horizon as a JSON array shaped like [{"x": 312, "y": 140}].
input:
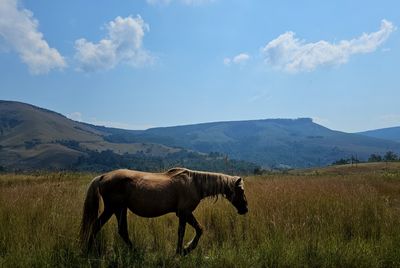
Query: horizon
[
  {"x": 159, "y": 63},
  {"x": 200, "y": 123}
]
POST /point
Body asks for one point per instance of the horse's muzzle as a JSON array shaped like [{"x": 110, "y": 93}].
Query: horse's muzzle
[{"x": 243, "y": 211}]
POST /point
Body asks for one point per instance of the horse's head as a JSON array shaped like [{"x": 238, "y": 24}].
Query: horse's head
[{"x": 238, "y": 198}]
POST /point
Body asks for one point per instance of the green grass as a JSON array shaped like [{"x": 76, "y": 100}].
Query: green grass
[{"x": 313, "y": 219}]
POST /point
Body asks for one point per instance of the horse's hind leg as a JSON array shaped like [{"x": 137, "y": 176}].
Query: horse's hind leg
[
  {"x": 104, "y": 217},
  {"x": 199, "y": 231},
  {"x": 123, "y": 225},
  {"x": 181, "y": 233}
]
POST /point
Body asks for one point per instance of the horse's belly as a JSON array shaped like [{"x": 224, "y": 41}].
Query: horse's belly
[
  {"x": 152, "y": 206},
  {"x": 150, "y": 213}
]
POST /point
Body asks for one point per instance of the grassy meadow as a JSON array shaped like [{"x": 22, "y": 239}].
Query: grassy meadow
[{"x": 332, "y": 217}]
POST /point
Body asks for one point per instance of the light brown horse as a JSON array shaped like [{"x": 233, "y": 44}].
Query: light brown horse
[{"x": 178, "y": 190}]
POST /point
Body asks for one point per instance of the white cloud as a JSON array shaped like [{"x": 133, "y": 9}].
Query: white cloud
[
  {"x": 238, "y": 59},
  {"x": 185, "y": 2},
  {"x": 227, "y": 61},
  {"x": 76, "y": 116},
  {"x": 123, "y": 44},
  {"x": 241, "y": 58},
  {"x": 19, "y": 30},
  {"x": 293, "y": 55}
]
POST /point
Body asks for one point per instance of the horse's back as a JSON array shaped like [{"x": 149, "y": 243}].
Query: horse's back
[
  {"x": 146, "y": 194},
  {"x": 137, "y": 177}
]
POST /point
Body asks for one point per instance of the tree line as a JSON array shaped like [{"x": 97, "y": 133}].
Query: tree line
[{"x": 389, "y": 156}]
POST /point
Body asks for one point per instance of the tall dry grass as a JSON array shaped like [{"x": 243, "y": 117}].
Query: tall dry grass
[{"x": 306, "y": 220}]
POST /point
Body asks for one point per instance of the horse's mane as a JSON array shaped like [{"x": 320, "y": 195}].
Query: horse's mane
[
  {"x": 211, "y": 184},
  {"x": 175, "y": 171}
]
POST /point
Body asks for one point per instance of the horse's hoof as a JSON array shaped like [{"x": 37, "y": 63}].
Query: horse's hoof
[{"x": 185, "y": 252}]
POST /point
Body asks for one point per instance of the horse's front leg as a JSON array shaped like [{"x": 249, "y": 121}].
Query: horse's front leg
[
  {"x": 181, "y": 234},
  {"x": 199, "y": 231}
]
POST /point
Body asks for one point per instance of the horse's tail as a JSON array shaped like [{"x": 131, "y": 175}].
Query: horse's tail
[{"x": 90, "y": 211}]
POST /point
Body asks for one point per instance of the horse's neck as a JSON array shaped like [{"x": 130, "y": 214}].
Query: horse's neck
[{"x": 213, "y": 184}]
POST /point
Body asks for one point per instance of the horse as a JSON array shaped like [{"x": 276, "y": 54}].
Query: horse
[{"x": 178, "y": 190}]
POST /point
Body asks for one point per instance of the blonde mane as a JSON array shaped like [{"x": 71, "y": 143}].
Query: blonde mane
[
  {"x": 212, "y": 184},
  {"x": 209, "y": 184},
  {"x": 175, "y": 171}
]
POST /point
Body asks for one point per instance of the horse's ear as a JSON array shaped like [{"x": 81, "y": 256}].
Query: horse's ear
[{"x": 239, "y": 182}]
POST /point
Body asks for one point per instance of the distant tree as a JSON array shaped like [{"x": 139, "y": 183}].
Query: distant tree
[
  {"x": 215, "y": 154},
  {"x": 375, "y": 158},
  {"x": 341, "y": 161},
  {"x": 108, "y": 160},
  {"x": 32, "y": 143},
  {"x": 390, "y": 156},
  {"x": 72, "y": 144},
  {"x": 354, "y": 160},
  {"x": 258, "y": 171}
]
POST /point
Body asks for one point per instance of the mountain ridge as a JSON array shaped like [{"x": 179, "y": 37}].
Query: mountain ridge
[
  {"x": 36, "y": 138},
  {"x": 389, "y": 133},
  {"x": 30, "y": 133},
  {"x": 268, "y": 142}
]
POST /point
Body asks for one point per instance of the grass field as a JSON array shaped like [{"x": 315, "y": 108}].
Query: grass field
[{"x": 332, "y": 217}]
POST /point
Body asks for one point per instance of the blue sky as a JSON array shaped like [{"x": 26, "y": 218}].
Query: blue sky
[{"x": 142, "y": 63}]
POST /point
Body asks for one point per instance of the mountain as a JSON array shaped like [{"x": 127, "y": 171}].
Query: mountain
[
  {"x": 35, "y": 138},
  {"x": 269, "y": 142},
  {"x": 391, "y": 133}
]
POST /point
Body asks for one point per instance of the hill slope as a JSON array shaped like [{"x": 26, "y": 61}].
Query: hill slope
[
  {"x": 20, "y": 122},
  {"x": 36, "y": 138},
  {"x": 32, "y": 137},
  {"x": 391, "y": 133},
  {"x": 270, "y": 142}
]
